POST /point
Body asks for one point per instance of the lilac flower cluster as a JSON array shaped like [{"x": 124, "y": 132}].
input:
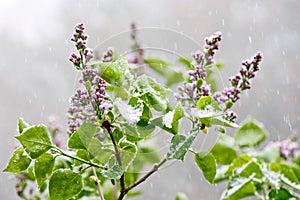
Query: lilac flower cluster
[
  {"x": 108, "y": 56},
  {"x": 79, "y": 110},
  {"x": 239, "y": 82},
  {"x": 211, "y": 46},
  {"x": 100, "y": 98},
  {"x": 137, "y": 57},
  {"x": 288, "y": 148},
  {"x": 88, "y": 104},
  {"x": 85, "y": 54},
  {"x": 197, "y": 88}
]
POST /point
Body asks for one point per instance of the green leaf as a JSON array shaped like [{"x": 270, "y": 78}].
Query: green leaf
[
  {"x": 174, "y": 78},
  {"x": 128, "y": 153},
  {"x": 280, "y": 194},
  {"x": 250, "y": 134},
  {"x": 22, "y": 125},
  {"x": 115, "y": 172},
  {"x": 207, "y": 101},
  {"x": 114, "y": 72},
  {"x": 117, "y": 134},
  {"x": 207, "y": 164},
  {"x": 43, "y": 167},
  {"x": 158, "y": 65},
  {"x": 82, "y": 137},
  {"x": 238, "y": 162},
  {"x": 223, "y": 150},
  {"x": 35, "y": 140},
  {"x": 171, "y": 119},
  {"x": 239, "y": 188},
  {"x": 181, "y": 143},
  {"x": 64, "y": 184},
  {"x": 75, "y": 142},
  {"x": 119, "y": 92},
  {"x": 181, "y": 196},
  {"x": 18, "y": 162},
  {"x": 186, "y": 62},
  {"x": 152, "y": 93},
  {"x": 101, "y": 152},
  {"x": 218, "y": 120},
  {"x": 83, "y": 154},
  {"x": 286, "y": 170}
]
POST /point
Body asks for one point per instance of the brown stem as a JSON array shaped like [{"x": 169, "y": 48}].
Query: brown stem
[
  {"x": 142, "y": 179},
  {"x": 98, "y": 184},
  {"x": 107, "y": 126}
]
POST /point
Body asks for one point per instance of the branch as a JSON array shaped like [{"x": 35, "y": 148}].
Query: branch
[
  {"x": 108, "y": 126},
  {"x": 98, "y": 184},
  {"x": 142, "y": 179}
]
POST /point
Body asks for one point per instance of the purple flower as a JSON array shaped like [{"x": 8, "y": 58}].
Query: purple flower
[
  {"x": 105, "y": 106},
  {"x": 88, "y": 53},
  {"x": 231, "y": 116},
  {"x": 288, "y": 148},
  {"x": 108, "y": 56}
]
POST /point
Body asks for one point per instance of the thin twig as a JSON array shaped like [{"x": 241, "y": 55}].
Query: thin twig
[
  {"x": 142, "y": 179},
  {"x": 98, "y": 184},
  {"x": 78, "y": 159}
]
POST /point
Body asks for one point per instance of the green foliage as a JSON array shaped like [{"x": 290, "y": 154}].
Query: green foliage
[
  {"x": 64, "y": 184},
  {"x": 250, "y": 134},
  {"x": 83, "y": 136},
  {"x": 180, "y": 144},
  {"x": 112, "y": 119},
  {"x": 207, "y": 163},
  {"x": 35, "y": 140},
  {"x": 18, "y": 162},
  {"x": 43, "y": 167}
]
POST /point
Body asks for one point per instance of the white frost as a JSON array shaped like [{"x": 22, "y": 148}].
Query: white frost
[
  {"x": 168, "y": 119},
  {"x": 131, "y": 114}
]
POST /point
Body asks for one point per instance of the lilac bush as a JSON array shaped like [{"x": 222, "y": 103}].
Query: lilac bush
[{"x": 116, "y": 109}]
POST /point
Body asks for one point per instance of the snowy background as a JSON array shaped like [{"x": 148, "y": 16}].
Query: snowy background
[{"x": 37, "y": 79}]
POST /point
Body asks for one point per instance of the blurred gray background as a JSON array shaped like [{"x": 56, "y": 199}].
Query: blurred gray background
[{"x": 37, "y": 78}]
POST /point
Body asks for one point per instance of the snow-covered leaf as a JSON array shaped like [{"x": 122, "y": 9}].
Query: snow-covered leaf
[
  {"x": 181, "y": 143},
  {"x": 130, "y": 114}
]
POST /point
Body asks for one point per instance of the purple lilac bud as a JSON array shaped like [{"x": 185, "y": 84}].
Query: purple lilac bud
[
  {"x": 288, "y": 148},
  {"x": 89, "y": 74},
  {"x": 105, "y": 106},
  {"x": 198, "y": 56},
  {"x": 231, "y": 116},
  {"x": 75, "y": 59},
  {"x": 80, "y": 44},
  {"x": 88, "y": 53},
  {"x": 211, "y": 45},
  {"x": 240, "y": 81},
  {"x": 108, "y": 56}
]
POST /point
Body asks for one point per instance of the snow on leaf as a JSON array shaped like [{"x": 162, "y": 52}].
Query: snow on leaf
[
  {"x": 131, "y": 114},
  {"x": 168, "y": 119}
]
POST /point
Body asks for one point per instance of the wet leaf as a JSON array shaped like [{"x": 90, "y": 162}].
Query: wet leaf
[
  {"x": 115, "y": 172},
  {"x": 64, "y": 184},
  {"x": 22, "y": 125},
  {"x": 250, "y": 134},
  {"x": 223, "y": 150},
  {"x": 35, "y": 140},
  {"x": 82, "y": 137},
  {"x": 43, "y": 167},
  {"x": 18, "y": 162},
  {"x": 207, "y": 164},
  {"x": 181, "y": 143}
]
